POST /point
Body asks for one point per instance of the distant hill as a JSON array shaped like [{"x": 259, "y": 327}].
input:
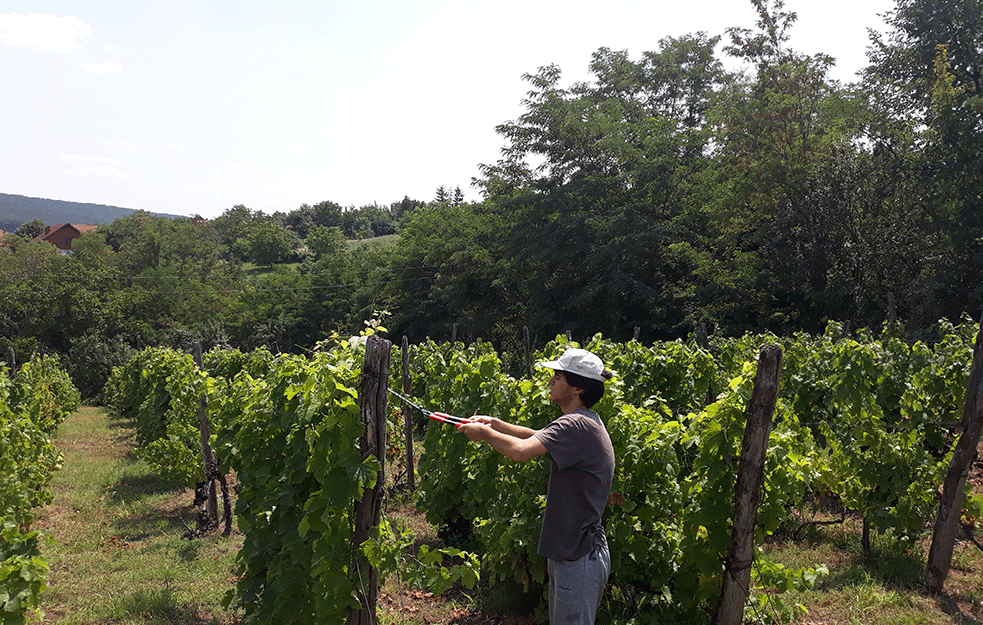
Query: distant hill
[{"x": 19, "y": 209}]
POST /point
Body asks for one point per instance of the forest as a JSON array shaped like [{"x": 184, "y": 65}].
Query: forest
[{"x": 664, "y": 194}]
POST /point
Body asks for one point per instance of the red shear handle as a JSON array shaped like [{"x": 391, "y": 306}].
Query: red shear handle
[{"x": 446, "y": 418}]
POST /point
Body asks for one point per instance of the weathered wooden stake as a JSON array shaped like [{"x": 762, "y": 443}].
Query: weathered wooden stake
[
  {"x": 11, "y": 362},
  {"x": 374, "y": 396},
  {"x": 954, "y": 485},
  {"x": 638, "y": 333},
  {"x": 454, "y": 334},
  {"x": 703, "y": 340},
  {"x": 747, "y": 497},
  {"x": 212, "y": 473},
  {"x": 527, "y": 352},
  {"x": 408, "y": 417}
]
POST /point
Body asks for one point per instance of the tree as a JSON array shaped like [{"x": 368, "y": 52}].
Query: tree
[
  {"x": 94, "y": 250},
  {"x": 265, "y": 242},
  {"x": 380, "y": 220},
  {"x": 927, "y": 75},
  {"x": 232, "y": 224},
  {"x": 300, "y": 221},
  {"x": 30, "y": 229},
  {"x": 404, "y": 207},
  {"x": 781, "y": 220},
  {"x": 445, "y": 269},
  {"x": 324, "y": 242},
  {"x": 602, "y": 225}
]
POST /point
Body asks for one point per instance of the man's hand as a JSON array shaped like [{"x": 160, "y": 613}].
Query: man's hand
[
  {"x": 476, "y": 430},
  {"x": 514, "y": 442}
]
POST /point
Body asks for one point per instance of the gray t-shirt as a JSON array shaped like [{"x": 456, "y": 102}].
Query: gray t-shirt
[{"x": 581, "y": 472}]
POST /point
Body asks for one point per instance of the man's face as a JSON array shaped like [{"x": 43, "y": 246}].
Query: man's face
[{"x": 561, "y": 393}]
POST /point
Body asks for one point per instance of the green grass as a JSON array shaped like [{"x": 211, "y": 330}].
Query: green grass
[
  {"x": 252, "y": 269},
  {"x": 886, "y": 589},
  {"x": 118, "y": 555}
]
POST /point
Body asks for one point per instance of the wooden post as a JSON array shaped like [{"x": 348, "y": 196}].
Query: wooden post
[
  {"x": 11, "y": 362},
  {"x": 953, "y": 488},
  {"x": 208, "y": 458},
  {"x": 408, "y": 418},
  {"x": 373, "y": 397},
  {"x": 212, "y": 473},
  {"x": 527, "y": 352},
  {"x": 747, "y": 497},
  {"x": 638, "y": 333},
  {"x": 569, "y": 336},
  {"x": 892, "y": 307},
  {"x": 703, "y": 340},
  {"x": 454, "y": 334}
]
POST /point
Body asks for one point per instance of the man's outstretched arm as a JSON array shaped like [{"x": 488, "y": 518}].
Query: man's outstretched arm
[{"x": 512, "y": 441}]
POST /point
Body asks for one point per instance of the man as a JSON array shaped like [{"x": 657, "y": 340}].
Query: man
[{"x": 582, "y": 466}]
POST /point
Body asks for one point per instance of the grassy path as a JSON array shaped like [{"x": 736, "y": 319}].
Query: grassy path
[{"x": 117, "y": 554}]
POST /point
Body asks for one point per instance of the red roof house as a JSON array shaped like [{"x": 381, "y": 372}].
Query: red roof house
[{"x": 62, "y": 235}]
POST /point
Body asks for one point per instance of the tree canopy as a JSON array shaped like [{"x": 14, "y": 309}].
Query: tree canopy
[{"x": 660, "y": 193}]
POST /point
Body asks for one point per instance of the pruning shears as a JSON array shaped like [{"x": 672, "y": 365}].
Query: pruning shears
[{"x": 436, "y": 416}]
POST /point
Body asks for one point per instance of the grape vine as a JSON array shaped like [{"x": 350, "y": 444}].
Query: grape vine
[{"x": 32, "y": 404}]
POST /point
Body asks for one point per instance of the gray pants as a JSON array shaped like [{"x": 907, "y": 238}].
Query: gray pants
[{"x": 576, "y": 587}]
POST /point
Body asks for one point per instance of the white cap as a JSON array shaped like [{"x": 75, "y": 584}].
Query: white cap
[{"x": 579, "y": 361}]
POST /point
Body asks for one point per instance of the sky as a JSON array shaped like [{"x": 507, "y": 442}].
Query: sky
[{"x": 190, "y": 107}]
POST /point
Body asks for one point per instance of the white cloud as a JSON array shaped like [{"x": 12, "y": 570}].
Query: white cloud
[
  {"x": 89, "y": 166},
  {"x": 102, "y": 68},
  {"x": 174, "y": 147},
  {"x": 51, "y": 33}
]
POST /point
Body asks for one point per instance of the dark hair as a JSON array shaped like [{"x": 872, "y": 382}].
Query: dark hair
[{"x": 593, "y": 389}]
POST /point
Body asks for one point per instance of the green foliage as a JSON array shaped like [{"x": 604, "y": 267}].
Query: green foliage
[
  {"x": 325, "y": 242},
  {"x": 660, "y": 192},
  {"x": 265, "y": 242},
  {"x": 296, "y": 430},
  {"x": 30, "y": 229},
  {"x": 433, "y": 569},
  {"x": 32, "y": 404},
  {"x": 160, "y": 388},
  {"x": 43, "y": 391},
  {"x": 91, "y": 359},
  {"x": 22, "y": 574},
  {"x": 864, "y": 422},
  {"x": 27, "y": 461},
  {"x": 289, "y": 427}
]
